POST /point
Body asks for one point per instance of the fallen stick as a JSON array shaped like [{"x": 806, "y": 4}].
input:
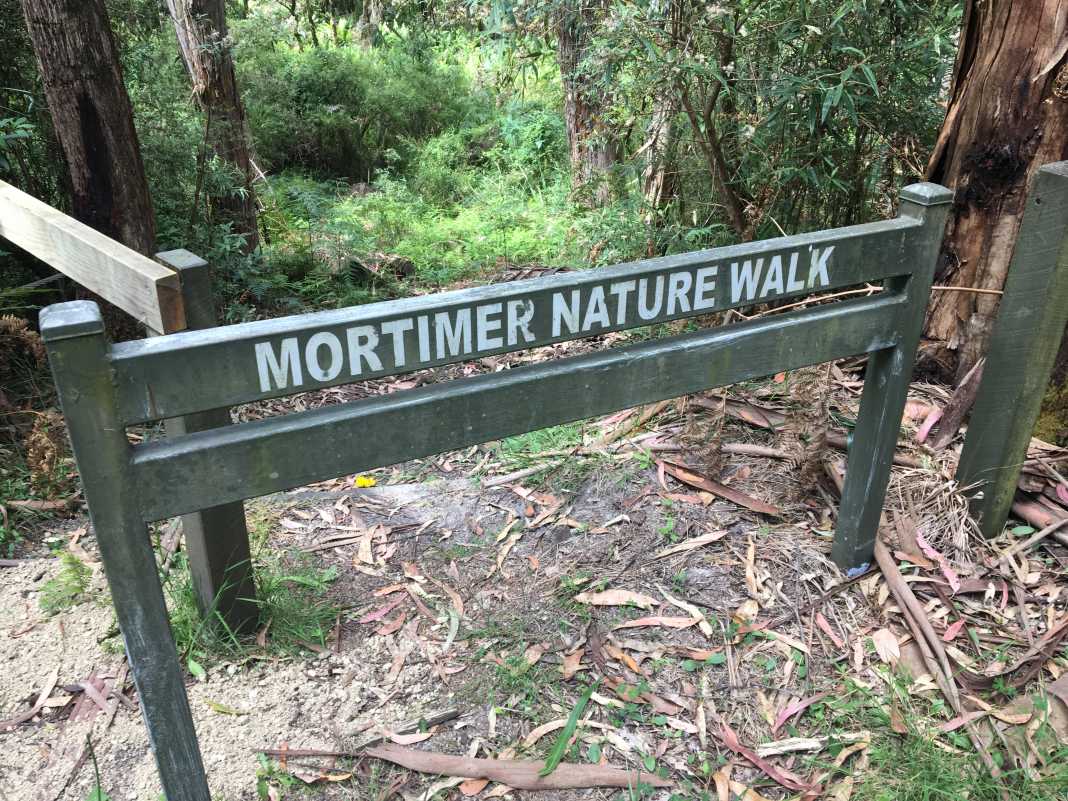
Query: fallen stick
[
  {"x": 1032, "y": 540},
  {"x": 934, "y": 655},
  {"x": 520, "y": 774}
]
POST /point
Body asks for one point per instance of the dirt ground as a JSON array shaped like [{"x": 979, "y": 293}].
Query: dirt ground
[{"x": 490, "y": 608}]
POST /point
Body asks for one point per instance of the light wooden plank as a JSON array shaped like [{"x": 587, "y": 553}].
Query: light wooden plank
[{"x": 147, "y": 291}]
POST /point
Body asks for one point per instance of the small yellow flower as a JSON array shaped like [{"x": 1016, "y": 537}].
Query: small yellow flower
[{"x": 364, "y": 481}]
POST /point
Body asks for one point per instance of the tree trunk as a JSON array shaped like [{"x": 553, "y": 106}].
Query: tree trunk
[
  {"x": 592, "y": 150},
  {"x": 93, "y": 118},
  {"x": 203, "y": 41},
  {"x": 1007, "y": 115},
  {"x": 658, "y": 176}
]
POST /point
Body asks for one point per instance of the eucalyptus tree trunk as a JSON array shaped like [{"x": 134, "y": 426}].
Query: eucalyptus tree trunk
[
  {"x": 93, "y": 118},
  {"x": 205, "y": 48},
  {"x": 1007, "y": 116},
  {"x": 592, "y": 149},
  {"x": 372, "y": 15}
]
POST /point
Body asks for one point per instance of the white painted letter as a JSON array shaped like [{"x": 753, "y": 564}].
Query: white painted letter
[
  {"x": 453, "y": 339},
  {"x": 706, "y": 282},
  {"x": 744, "y": 280},
  {"x": 621, "y": 289},
  {"x": 359, "y": 351},
  {"x": 424, "y": 338},
  {"x": 397, "y": 329},
  {"x": 563, "y": 313},
  {"x": 278, "y": 366},
  {"x": 793, "y": 284},
  {"x": 483, "y": 325},
  {"x": 311, "y": 356},
  {"x": 818, "y": 266},
  {"x": 645, "y": 311},
  {"x": 678, "y": 286},
  {"x": 596, "y": 311},
  {"x": 520, "y": 322},
  {"x": 773, "y": 278}
]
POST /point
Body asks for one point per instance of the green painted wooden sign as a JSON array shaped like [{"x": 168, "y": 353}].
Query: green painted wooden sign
[{"x": 106, "y": 388}]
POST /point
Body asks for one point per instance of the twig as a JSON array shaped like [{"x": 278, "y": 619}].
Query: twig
[
  {"x": 974, "y": 289},
  {"x": 1030, "y": 541}
]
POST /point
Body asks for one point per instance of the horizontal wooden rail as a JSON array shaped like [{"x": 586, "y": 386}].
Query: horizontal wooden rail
[
  {"x": 147, "y": 291},
  {"x": 269, "y": 358},
  {"x": 212, "y": 467}
]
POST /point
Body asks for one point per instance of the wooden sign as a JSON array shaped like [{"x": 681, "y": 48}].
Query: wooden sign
[{"x": 105, "y": 388}]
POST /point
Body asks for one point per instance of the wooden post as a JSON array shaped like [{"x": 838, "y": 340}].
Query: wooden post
[
  {"x": 216, "y": 539},
  {"x": 886, "y": 385},
  {"x": 1023, "y": 346},
  {"x": 78, "y": 352}
]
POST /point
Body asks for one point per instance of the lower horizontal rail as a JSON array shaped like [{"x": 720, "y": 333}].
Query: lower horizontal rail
[{"x": 212, "y": 467}]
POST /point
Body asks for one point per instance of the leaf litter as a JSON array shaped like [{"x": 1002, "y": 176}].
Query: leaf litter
[{"x": 509, "y": 601}]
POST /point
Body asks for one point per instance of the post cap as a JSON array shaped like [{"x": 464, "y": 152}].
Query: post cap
[
  {"x": 180, "y": 259},
  {"x": 927, "y": 194},
  {"x": 77, "y": 318}
]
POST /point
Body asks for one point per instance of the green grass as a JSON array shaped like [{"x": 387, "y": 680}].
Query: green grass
[
  {"x": 67, "y": 587},
  {"x": 912, "y": 767},
  {"x": 291, "y": 594}
]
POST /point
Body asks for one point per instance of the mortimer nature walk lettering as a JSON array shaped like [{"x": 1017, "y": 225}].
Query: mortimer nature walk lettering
[{"x": 417, "y": 341}]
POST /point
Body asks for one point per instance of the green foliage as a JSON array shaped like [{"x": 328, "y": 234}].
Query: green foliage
[
  {"x": 67, "y": 587},
  {"x": 291, "y": 593},
  {"x": 345, "y": 111}
]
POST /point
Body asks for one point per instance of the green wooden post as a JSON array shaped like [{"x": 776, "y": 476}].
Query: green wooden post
[
  {"x": 1023, "y": 346},
  {"x": 78, "y": 352},
  {"x": 216, "y": 539},
  {"x": 886, "y": 385}
]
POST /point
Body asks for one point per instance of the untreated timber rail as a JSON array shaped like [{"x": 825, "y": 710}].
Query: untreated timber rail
[
  {"x": 106, "y": 388},
  {"x": 146, "y": 290}
]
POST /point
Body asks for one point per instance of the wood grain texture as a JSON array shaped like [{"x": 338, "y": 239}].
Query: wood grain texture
[
  {"x": 155, "y": 376},
  {"x": 147, "y": 291},
  {"x": 213, "y": 467},
  {"x": 1034, "y": 311},
  {"x": 74, "y": 336}
]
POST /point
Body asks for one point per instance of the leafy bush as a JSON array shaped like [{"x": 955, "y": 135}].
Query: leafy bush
[{"x": 346, "y": 111}]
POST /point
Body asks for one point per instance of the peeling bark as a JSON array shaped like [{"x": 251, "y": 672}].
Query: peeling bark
[{"x": 1007, "y": 116}]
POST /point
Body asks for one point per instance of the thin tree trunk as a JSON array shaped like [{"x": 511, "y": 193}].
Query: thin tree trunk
[
  {"x": 93, "y": 118},
  {"x": 658, "y": 176},
  {"x": 1007, "y": 116},
  {"x": 203, "y": 41},
  {"x": 592, "y": 149}
]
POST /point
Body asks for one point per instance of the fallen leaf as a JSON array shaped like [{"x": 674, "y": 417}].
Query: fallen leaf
[
  {"x": 952, "y": 630},
  {"x": 795, "y": 708},
  {"x": 572, "y": 663},
  {"x": 723, "y": 491},
  {"x": 666, "y": 622},
  {"x": 780, "y": 775},
  {"x": 825, "y": 627},
  {"x": 379, "y": 613},
  {"x": 886, "y": 646},
  {"x": 690, "y": 544},
  {"x": 520, "y": 774},
  {"x": 409, "y": 739},
  {"x": 931, "y": 553},
  {"x": 473, "y": 786},
  {"x": 616, "y": 598}
]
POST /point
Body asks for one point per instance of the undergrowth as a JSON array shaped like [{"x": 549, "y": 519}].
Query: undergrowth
[
  {"x": 290, "y": 593},
  {"x": 67, "y": 587}
]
